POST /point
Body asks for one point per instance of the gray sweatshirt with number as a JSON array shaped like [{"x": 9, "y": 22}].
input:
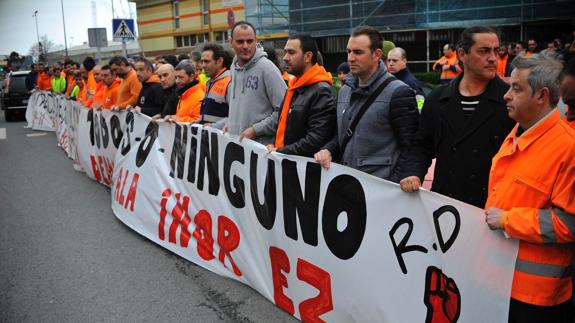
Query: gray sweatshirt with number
[{"x": 255, "y": 95}]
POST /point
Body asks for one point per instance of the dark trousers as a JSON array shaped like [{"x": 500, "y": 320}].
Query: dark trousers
[{"x": 520, "y": 312}]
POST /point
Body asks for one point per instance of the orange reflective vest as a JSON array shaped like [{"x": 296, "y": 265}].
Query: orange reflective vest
[
  {"x": 532, "y": 180},
  {"x": 81, "y": 97},
  {"x": 453, "y": 63},
  {"x": 70, "y": 84},
  {"x": 44, "y": 81},
  {"x": 215, "y": 103},
  {"x": 129, "y": 90},
  {"x": 190, "y": 103},
  {"x": 502, "y": 65},
  {"x": 110, "y": 95},
  {"x": 99, "y": 95}
]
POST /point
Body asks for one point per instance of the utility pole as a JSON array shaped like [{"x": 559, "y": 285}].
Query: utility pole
[
  {"x": 38, "y": 35},
  {"x": 64, "y": 24}
]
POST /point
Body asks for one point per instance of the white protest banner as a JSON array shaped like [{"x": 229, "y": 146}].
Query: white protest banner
[
  {"x": 99, "y": 136},
  {"x": 335, "y": 246},
  {"x": 67, "y": 130},
  {"x": 41, "y": 111}
]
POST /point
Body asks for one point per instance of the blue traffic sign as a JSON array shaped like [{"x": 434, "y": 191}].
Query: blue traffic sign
[{"x": 123, "y": 29}]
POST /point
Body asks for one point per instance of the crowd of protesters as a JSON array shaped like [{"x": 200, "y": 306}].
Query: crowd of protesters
[{"x": 493, "y": 128}]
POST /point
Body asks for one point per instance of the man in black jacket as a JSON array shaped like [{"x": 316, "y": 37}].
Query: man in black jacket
[
  {"x": 151, "y": 99},
  {"x": 307, "y": 118},
  {"x": 170, "y": 95},
  {"x": 463, "y": 123}
]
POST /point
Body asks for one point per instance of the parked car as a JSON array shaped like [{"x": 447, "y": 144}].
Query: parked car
[{"x": 15, "y": 95}]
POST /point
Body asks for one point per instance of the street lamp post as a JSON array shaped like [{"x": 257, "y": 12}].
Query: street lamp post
[
  {"x": 38, "y": 35},
  {"x": 64, "y": 24}
]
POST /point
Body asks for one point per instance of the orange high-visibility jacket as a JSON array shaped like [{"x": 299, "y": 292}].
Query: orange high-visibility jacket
[
  {"x": 190, "y": 104},
  {"x": 452, "y": 61},
  {"x": 110, "y": 95},
  {"x": 81, "y": 97},
  {"x": 99, "y": 95},
  {"x": 502, "y": 65},
  {"x": 70, "y": 84},
  {"x": 44, "y": 81},
  {"x": 129, "y": 90},
  {"x": 532, "y": 180}
]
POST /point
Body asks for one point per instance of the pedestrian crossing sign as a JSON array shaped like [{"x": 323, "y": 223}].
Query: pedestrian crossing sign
[{"x": 123, "y": 29}]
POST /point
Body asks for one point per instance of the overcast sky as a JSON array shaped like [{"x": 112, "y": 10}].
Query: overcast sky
[{"x": 18, "y": 29}]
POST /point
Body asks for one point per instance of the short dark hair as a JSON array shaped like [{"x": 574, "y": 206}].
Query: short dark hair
[
  {"x": 375, "y": 37},
  {"x": 244, "y": 24},
  {"x": 569, "y": 68},
  {"x": 187, "y": 66},
  {"x": 89, "y": 63},
  {"x": 107, "y": 67},
  {"x": 466, "y": 40},
  {"x": 307, "y": 44},
  {"x": 217, "y": 52},
  {"x": 171, "y": 59},
  {"x": 196, "y": 55},
  {"x": 343, "y": 67},
  {"x": 450, "y": 46},
  {"x": 182, "y": 57},
  {"x": 118, "y": 60},
  {"x": 146, "y": 62}
]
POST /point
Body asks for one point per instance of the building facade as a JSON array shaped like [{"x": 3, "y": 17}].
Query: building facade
[
  {"x": 178, "y": 26},
  {"x": 421, "y": 27}
]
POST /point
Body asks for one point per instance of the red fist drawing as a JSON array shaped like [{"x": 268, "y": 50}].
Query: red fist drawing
[{"x": 441, "y": 297}]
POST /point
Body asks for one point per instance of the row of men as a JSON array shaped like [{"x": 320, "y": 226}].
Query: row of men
[
  {"x": 502, "y": 147},
  {"x": 450, "y": 67}
]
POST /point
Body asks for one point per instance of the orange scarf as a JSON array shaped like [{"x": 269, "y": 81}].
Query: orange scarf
[{"x": 313, "y": 75}]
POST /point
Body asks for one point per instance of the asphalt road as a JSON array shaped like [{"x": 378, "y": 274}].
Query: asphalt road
[{"x": 64, "y": 257}]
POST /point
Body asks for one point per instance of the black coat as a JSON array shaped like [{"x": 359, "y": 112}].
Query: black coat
[
  {"x": 406, "y": 77},
  {"x": 311, "y": 120},
  {"x": 463, "y": 148},
  {"x": 151, "y": 98},
  {"x": 170, "y": 101}
]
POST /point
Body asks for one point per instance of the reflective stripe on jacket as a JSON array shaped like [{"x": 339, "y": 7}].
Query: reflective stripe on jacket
[
  {"x": 532, "y": 180},
  {"x": 215, "y": 103}
]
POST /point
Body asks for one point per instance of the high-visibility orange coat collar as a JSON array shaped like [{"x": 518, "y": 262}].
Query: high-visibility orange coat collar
[{"x": 536, "y": 131}]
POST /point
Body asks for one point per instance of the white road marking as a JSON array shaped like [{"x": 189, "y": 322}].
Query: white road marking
[
  {"x": 36, "y": 134},
  {"x": 2, "y": 133}
]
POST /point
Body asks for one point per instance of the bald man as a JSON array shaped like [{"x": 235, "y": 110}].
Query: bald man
[
  {"x": 168, "y": 81},
  {"x": 397, "y": 65}
]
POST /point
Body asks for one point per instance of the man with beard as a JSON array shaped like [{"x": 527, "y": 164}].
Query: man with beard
[
  {"x": 151, "y": 98},
  {"x": 307, "y": 117},
  {"x": 130, "y": 88}
]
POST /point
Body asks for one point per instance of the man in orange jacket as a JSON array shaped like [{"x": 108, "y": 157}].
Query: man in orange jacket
[
  {"x": 112, "y": 85},
  {"x": 190, "y": 93},
  {"x": 44, "y": 78},
  {"x": 130, "y": 87},
  {"x": 448, "y": 64},
  {"x": 307, "y": 119},
  {"x": 532, "y": 196}
]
